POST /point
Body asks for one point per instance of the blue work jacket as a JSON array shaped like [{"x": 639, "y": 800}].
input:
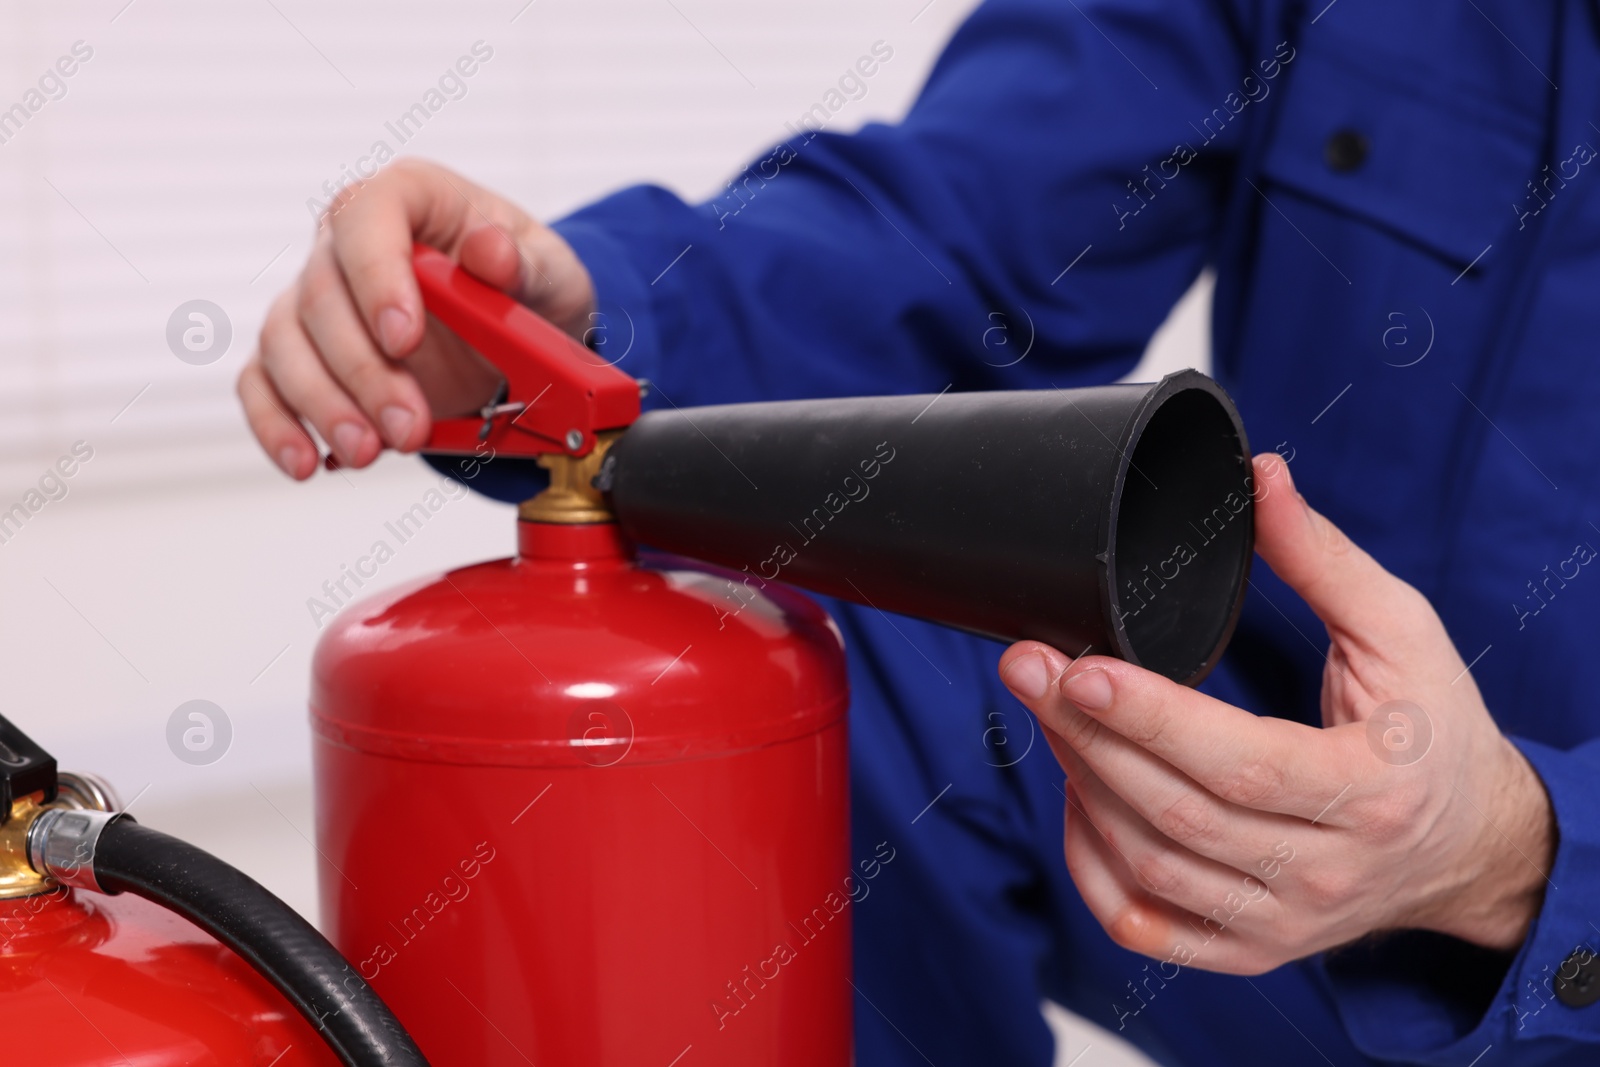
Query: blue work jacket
[{"x": 1401, "y": 202}]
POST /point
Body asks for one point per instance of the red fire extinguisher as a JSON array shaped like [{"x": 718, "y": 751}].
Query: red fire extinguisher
[
  {"x": 588, "y": 805},
  {"x": 585, "y": 806}
]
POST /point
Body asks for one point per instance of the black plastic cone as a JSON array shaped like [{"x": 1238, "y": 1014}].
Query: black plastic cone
[{"x": 1115, "y": 520}]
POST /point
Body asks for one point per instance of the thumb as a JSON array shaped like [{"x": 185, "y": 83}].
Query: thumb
[
  {"x": 532, "y": 263},
  {"x": 1348, "y": 589},
  {"x": 491, "y": 255}
]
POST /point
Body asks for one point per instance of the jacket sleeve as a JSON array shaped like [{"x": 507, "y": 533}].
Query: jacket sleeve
[
  {"x": 1028, "y": 224},
  {"x": 1423, "y": 999}
]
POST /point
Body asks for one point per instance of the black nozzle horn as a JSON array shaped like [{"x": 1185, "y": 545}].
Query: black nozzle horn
[{"x": 1114, "y": 520}]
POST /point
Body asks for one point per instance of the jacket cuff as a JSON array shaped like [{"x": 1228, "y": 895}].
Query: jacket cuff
[
  {"x": 1563, "y": 941},
  {"x": 1418, "y": 997}
]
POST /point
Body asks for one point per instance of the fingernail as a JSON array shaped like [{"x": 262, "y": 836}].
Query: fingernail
[
  {"x": 347, "y": 441},
  {"x": 397, "y": 423},
  {"x": 289, "y": 460},
  {"x": 1028, "y": 676},
  {"x": 1090, "y": 690},
  {"x": 393, "y": 327}
]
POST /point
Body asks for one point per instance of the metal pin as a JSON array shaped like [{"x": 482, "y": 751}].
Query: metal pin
[{"x": 492, "y": 410}]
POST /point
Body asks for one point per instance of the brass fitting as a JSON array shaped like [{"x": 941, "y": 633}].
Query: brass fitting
[
  {"x": 74, "y": 792},
  {"x": 17, "y": 877},
  {"x": 572, "y": 498}
]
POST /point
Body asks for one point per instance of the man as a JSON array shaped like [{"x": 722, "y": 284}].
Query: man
[{"x": 1398, "y": 204}]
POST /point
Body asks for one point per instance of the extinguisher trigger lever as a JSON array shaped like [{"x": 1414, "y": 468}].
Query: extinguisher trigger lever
[{"x": 559, "y": 395}]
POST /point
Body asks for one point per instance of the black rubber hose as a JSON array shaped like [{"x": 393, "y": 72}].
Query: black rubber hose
[{"x": 270, "y": 936}]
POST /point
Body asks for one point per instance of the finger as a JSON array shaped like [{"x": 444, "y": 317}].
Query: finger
[
  {"x": 1132, "y": 917},
  {"x": 1180, "y": 810},
  {"x": 1111, "y": 712},
  {"x": 1165, "y": 868},
  {"x": 1142, "y": 923},
  {"x": 1348, "y": 589},
  {"x": 281, "y": 435},
  {"x": 302, "y": 380},
  {"x": 388, "y": 394},
  {"x": 493, "y": 256},
  {"x": 373, "y": 231}
]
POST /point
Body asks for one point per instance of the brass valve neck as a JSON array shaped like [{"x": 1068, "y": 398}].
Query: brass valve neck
[
  {"x": 17, "y": 876},
  {"x": 74, "y": 792},
  {"x": 572, "y": 498}
]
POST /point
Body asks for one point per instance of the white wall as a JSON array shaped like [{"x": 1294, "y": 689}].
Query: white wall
[{"x": 176, "y": 166}]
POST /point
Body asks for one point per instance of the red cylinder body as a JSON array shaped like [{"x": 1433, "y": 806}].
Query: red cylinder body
[
  {"x": 93, "y": 981},
  {"x": 574, "y": 809}
]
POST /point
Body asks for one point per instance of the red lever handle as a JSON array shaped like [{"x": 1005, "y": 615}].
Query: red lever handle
[{"x": 558, "y": 394}]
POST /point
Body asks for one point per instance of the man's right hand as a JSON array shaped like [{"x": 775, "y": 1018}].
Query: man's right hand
[{"x": 348, "y": 348}]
